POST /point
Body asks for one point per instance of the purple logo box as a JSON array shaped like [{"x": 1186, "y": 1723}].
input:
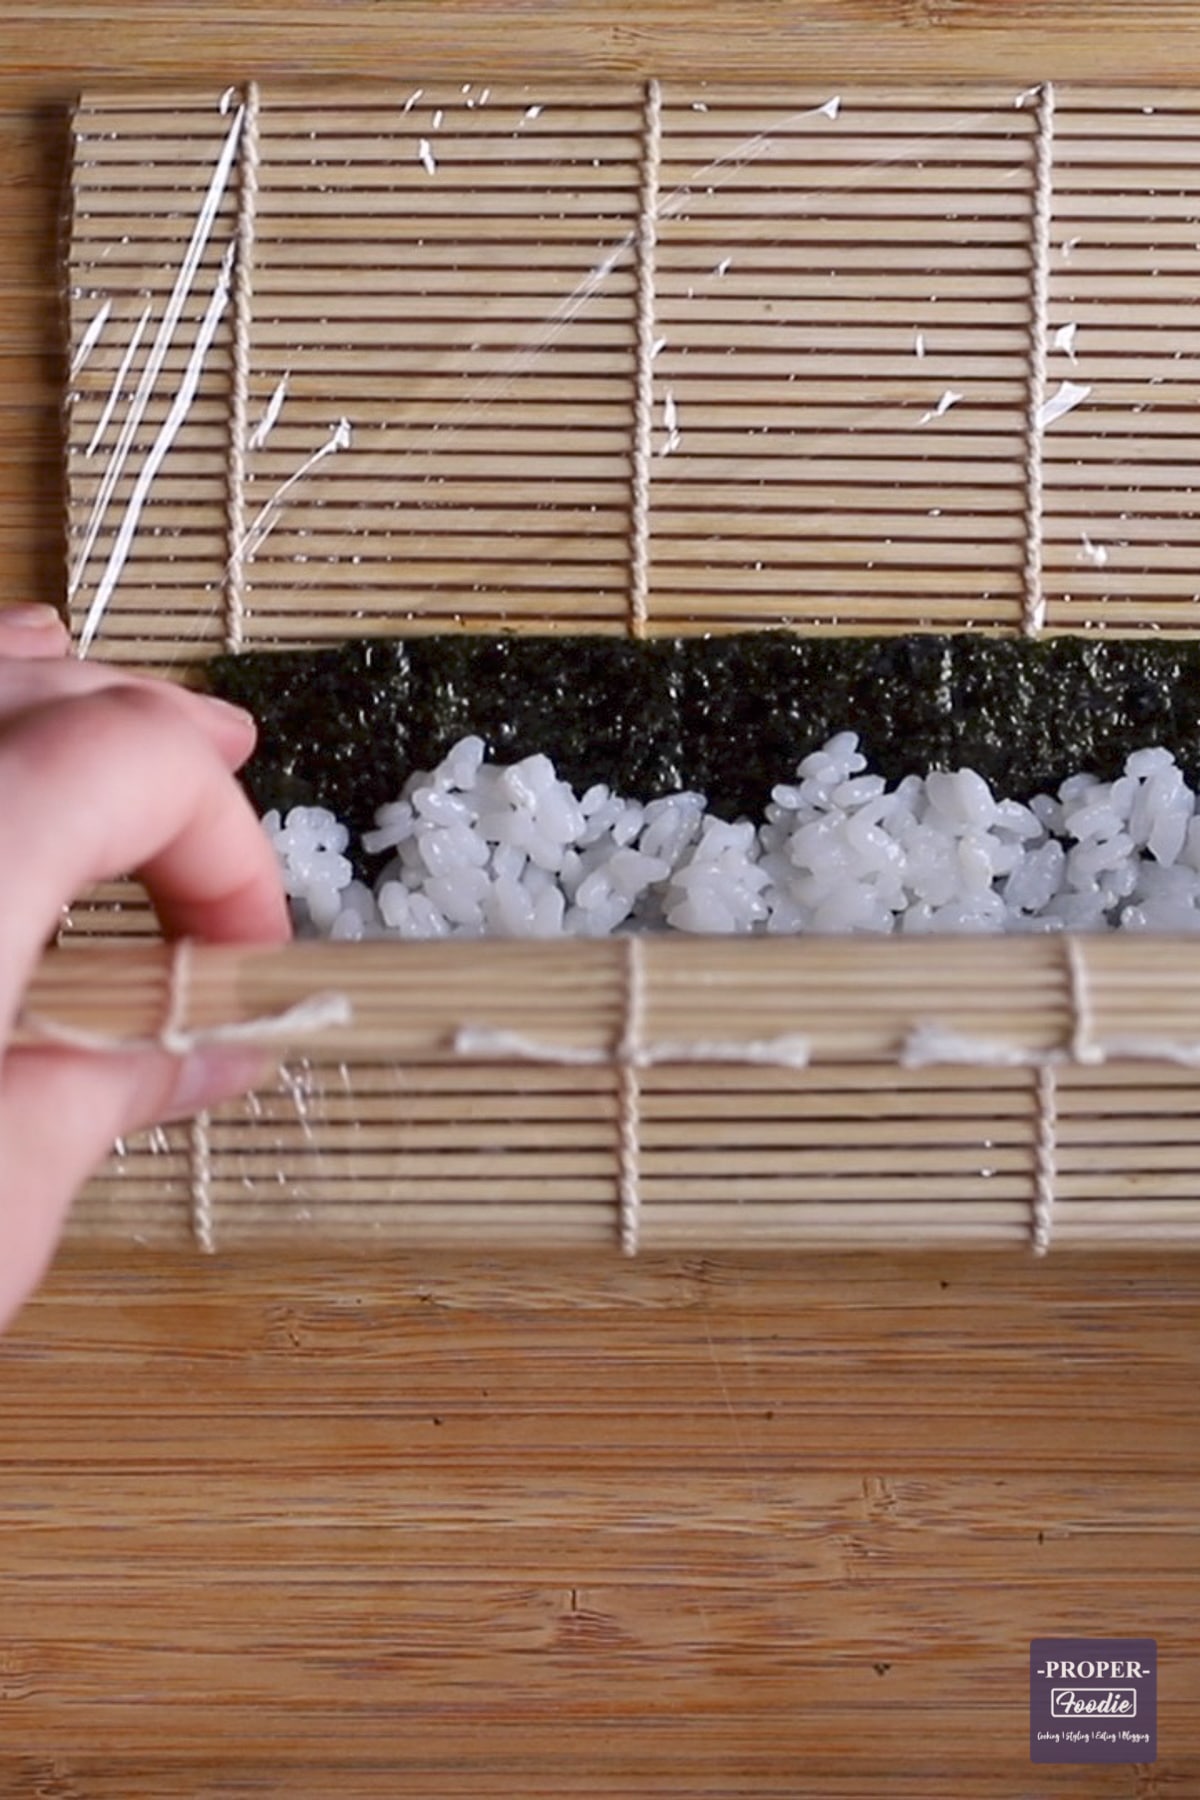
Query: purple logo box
[{"x": 1093, "y": 1700}]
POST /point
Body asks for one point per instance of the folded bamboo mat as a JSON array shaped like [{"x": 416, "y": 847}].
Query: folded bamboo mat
[
  {"x": 648, "y": 358},
  {"x": 670, "y": 1093}
]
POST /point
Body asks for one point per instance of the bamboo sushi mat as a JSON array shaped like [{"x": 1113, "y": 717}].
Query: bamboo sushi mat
[
  {"x": 650, "y": 358},
  {"x": 504, "y": 347}
]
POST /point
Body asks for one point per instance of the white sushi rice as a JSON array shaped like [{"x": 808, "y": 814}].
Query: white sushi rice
[{"x": 481, "y": 849}]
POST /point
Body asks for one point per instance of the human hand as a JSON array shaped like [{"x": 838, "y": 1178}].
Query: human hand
[{"x": 104, "y": 773}]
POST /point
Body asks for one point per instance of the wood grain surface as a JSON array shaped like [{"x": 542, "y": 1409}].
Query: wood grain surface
[{"x": 440, "y": 1528}]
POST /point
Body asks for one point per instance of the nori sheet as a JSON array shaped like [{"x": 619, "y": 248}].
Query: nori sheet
[{"x": 729, "y": 716}]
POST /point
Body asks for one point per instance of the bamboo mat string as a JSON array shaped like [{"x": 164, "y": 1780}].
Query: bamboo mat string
[
  {"x": 199, "y": 1142},
  {"x": 1034, "y": 611},
  {"x": 1045, "y": 1158},
  {"x": 171, "y": 1036},
  {"x": 628, "y": 1056},
  {"x": 647, "y": 240},
  {"x": 204, "y": 1228},
  {"x": 1081, "y": 1048},
  {"x": 239, "y": 399}
]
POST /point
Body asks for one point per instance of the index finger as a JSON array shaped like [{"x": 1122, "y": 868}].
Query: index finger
[{"x": 120, "y": 781}]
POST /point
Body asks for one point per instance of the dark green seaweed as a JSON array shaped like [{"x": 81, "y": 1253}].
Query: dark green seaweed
[
  {"x": 730, "y": 716},
  {"x": 334, "y": 725}
]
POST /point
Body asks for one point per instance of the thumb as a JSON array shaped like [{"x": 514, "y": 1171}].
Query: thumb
[{"x": 60, "y": 1111}]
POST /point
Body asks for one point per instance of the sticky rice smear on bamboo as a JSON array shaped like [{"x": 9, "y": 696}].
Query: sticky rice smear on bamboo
[{"x": 479, "y": 849}]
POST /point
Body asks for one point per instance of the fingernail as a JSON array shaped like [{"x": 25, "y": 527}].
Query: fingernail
[
  {"x": 226, "y": 709},
  {"x": 37, "y": 616},
  {"x": 209, "y": 1077}
]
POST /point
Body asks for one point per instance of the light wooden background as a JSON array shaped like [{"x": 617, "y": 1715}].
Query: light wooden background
[{"x": 689, "y": 1527}]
